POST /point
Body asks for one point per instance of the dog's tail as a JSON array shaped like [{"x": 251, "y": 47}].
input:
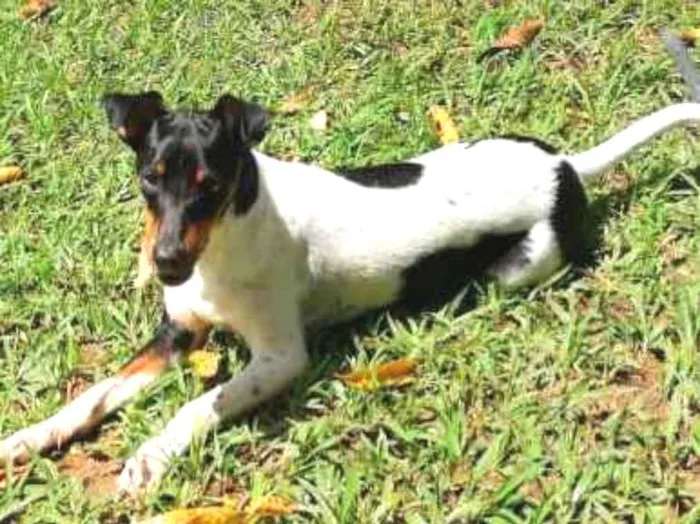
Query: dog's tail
[{"x": 595, "y": 161}]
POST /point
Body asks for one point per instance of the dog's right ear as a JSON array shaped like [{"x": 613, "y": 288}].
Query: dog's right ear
[{"x": 132, "y": 116}]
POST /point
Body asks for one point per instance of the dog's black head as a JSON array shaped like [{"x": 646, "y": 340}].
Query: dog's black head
[{"x": 193, "y": 167}]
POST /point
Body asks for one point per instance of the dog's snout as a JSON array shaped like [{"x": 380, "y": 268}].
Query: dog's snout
[
  {"x": 169, "y": 256},
  {"x": 173, "y": 263}
]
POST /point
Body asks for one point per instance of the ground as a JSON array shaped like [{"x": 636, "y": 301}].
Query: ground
[{"x": 574, "y": 402}]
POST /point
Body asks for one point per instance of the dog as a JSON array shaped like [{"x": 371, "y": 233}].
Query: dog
[{"x": 269, "y": 248}]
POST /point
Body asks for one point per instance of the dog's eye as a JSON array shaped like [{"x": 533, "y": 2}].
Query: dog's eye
[
  {"x": 210, "y": 186},
  {"x": 149, "y": 181}
]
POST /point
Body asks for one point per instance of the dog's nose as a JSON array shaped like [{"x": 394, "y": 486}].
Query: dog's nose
[{"x": 169, "y": 257}]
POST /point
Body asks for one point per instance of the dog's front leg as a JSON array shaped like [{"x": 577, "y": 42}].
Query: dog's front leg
[
  {"x": 89, "y": 409},
  {"x": 275, "y": 336}
]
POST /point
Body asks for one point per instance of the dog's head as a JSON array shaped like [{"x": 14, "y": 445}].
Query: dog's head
[{"x": 193, "y": 167}]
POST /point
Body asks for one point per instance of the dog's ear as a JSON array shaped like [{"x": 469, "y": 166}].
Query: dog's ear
[
  {"x": 132, "y": 116},
  {"x": 244, "y": 122}
]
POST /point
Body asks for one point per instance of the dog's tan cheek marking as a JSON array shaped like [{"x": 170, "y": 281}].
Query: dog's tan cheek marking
[
  {"x": 146, "y": 267},
  {"x": 197, "y": 235}
]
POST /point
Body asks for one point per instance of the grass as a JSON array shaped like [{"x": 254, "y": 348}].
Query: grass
[{"x": 574, "y": 402}]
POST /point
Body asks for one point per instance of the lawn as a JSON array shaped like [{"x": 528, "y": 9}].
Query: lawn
[{"x": 575, "y": 402}]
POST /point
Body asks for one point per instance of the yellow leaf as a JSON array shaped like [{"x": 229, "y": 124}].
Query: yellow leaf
[
  {"x": 10, "y": 174},
  {"x": 212, "y": 515},
  {"x": 270, "y": 506},
  {"x": 264, "y": 507},
  {"x": 204, "y": 363},
  {"x": 319, "y": 121},
  {"x": 444, "y": 126},
  {"x": 36, "y": 8},
  {"x": 690, "y": 37},
  {"x": 395, "y": 373},
  {"x": 295, "y": 102}
]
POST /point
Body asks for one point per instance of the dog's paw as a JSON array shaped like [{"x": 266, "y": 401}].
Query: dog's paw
[
  {"x": 143, "y": 471},
  {"x": 16, "y": 448}
]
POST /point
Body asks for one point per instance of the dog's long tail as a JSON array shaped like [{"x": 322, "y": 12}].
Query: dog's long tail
[{"x": 595, "y": 161}]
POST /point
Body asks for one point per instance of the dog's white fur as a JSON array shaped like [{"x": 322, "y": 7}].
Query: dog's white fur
[{"x": 316, "y": 248}]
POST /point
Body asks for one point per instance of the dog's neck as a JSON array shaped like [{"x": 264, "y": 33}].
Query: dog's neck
[{"x": 240, "y": 243}]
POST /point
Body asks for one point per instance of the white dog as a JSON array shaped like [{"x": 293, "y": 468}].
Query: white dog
[{"x": 268, "y": 248}]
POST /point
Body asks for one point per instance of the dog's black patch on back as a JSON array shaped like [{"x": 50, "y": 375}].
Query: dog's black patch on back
[
  {"x": 438, "y": 277},
  {"x": 544, "y": 146},
  {"x": 568, "y": 217},
  {"x": 384, "y": 175}
]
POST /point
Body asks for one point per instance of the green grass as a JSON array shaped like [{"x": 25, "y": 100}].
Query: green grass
[{"x": 576, "y": 402}]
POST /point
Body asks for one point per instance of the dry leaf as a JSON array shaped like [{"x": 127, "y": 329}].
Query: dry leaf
[
  {"x": 319, "y": 121},
  {"x": 515, "y": 38},
  {"x": 10, "y": 174},
  {"x": 212, "y": 515},
  {"x": 204, "y": 363},
  {"x": 36, "y": 8},
  {"x": 395, "y": 373},
  {"x": 690, "y": 37},
  {"x": 295, "y": 102},
  {"x": 264, "y": 507},
  {"x": 270, "y": 506},
  {"x": 444, "y": 126}
]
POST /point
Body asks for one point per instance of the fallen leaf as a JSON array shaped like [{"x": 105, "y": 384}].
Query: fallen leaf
[
  {"x": 444, "y": 126},
  {"x": 270, "y": 506},
  {"x": 204, "y": 363},
  {"x": 211, "y": 515},
  {"x": 295, "y": 102},
  {"x": 319, "y": 121},
  {"x": 395, "y": 373},
  {"x": 36, "y": 8},
  {"x": 264, "y": 507},
  {"x": 690, "y": 37},
  {"x": 10, "y": 174},
  {"x": 515, "y": 38}
]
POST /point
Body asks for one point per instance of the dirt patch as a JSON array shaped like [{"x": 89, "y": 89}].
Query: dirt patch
[
  {"x": 637, "y": 390},
  {"x": 96, "y": 471}
]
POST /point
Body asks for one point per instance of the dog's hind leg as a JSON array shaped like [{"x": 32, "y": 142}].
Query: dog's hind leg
[
  {"x": 89, "y": 409},
  {"x": 532, "y": 260},
  {"x": 552, "y": 242}
]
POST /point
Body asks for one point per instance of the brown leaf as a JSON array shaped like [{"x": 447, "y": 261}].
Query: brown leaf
[
  {"x": 395, "y": 373},
  {"x": 204, "y": 363},
  {"x": 515, "y": 38},
  {"x": 36, "y": 8},
  {"x": 690, "y": 37},
  {"x": 444, "y": 126},
  {"x": 10, "y": 174},
  {"x": 295, "y": 102}
]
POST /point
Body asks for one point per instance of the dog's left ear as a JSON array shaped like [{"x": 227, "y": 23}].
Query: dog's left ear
[
  {"x": 132, "y": 116},
  {"x": 244, "y": 122}
]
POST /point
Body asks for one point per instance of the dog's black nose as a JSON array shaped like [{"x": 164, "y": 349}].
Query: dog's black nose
[{"x": 172, "y": 262}]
